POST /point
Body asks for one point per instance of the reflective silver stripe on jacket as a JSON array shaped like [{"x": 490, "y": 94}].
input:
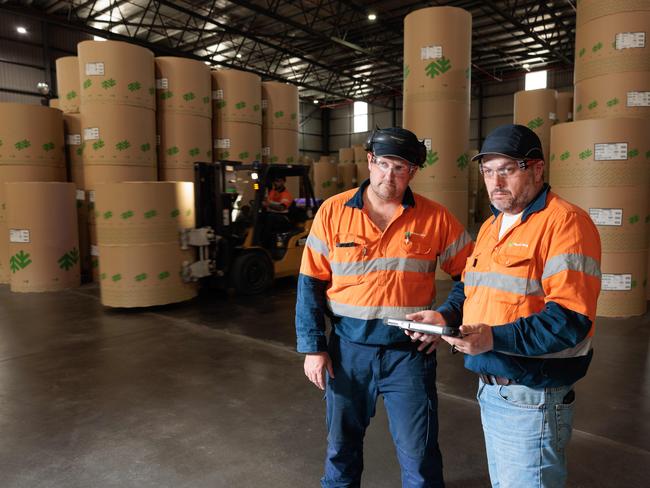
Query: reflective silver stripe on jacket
[
  {"x": 372, "y": 312},
  {"x": 353, "y": 268},
  {"x": 455, "y": 247},
  {"x": 498, "y": 281},
  {"x": 581, "y": 349},
  {"x": 317, "y": 245},
  {"x": 571, "y": 262}
]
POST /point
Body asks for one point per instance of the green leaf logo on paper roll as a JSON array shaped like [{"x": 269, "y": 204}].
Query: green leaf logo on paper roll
[
  {"x": 98, "y": 144},
  {"x": 634, "y": 219},
  {"x": 407, "y": 71},
  {"x": 152, "y": 90},
  {"x": 102, "y": 276},
  {"x": 189, "y": 96},
  {"x": 164, "y": 275},
  {"x": 108, "y": 215},
  {"x": 195, "y": 151},
  {"x": 535, "y": 123},
  {"x": 592, "y": 105},
  {"x": 582, "y": 52},
  {"x": 206, "y": 99},
  {"x": 468, "y": 73},
  {"x": 166, "y": 95},
  {"x": 175, "y": 213},
  {"x": 240, "y": 105},
  {"x": 80, "y": 149},
  {"x": 632, "y": 153},
  {"x": 127, "y": 215},
  {"x": 123, "y": 145},
  {"x": 116, "y": 277},
  {"x": 150, "y": 214},
  {"x": 256, "y": 108},
  {"x": 647, "y": 155},
  {"x": 87, "y": 84},
  {"x": 552, "y": 157},
  {"x": 274, "y": 159},
  {"x": 579, "y": 108},
  {"x": 145, "y": 147},
  {"x": 565, "y": 155},
  {"x": 243, "y": 155},
  {"x": 135, "y": 86},
  {"x": 224, "y": 154},
  {"x": 612, "y": 102},
  {"x": 294, "y": 116},
  {"x": 24, "y": 144},
  {"x": 437, "y": 67},
  {"x": 19, "y": 261},
  {"x": 71, "y": 94},
  {"x": 48, "y": 146},
  {"x": 172, "y": 150},
  {"x": 278, "y": 114},
  {"x": 221, "y": 104},
  {"x": 597, "y": 47},
  {"x": 141, "y": 277},
  {"x": 69, "y": 259},
  {"x": 258, "y": 156},
  {"x": 432, "y": 158},
  {"x": 327, "y": 184},
  {"x": 462, "y": 161},
  {"x": 290, "y": 159},
  {"x": 110, "y": 83},
  {"x": 585, "y": 154},
  {"x": 94, "y": 262},
  {"x": 188, "y": 212}
]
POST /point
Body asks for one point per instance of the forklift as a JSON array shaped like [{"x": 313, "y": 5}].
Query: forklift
[{"x": 238, "y": 246}]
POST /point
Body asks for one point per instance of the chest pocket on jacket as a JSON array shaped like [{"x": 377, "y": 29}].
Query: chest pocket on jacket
[
  {"x": 513, "y": 274},
  {"x": 418, "y": 258},
  {"x": 349, "y": 259}
]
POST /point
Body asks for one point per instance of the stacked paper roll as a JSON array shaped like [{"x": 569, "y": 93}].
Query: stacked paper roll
[
  {"x": 184, "y": 116},
  {"x": 31, "y": 150},
  {"x": 437, "y": 56},
  {"x": 138, "y": 235}
]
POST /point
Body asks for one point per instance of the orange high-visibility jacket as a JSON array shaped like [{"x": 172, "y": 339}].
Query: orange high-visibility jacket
[
  {"x": 538, "y": 286},
  {"x": 365, "y": 275}
]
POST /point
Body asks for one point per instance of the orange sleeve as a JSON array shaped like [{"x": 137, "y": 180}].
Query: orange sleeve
[
  {"x": 315, "y": 258},
  {"x": 457, "y": 245}
]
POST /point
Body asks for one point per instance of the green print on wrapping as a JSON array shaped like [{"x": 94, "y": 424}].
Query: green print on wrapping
[
  {"x": 98, "y": 145},
  {"x": 48, "y": 146},
  {"x": 535, "y": 123},
  {"x": 462, "y": 161},
  {"x": 110, "y": 83},
  {"x": 189, "y": 96},
  {"x": 123, "y": 145},
  {"x": 437, "y": 67},
  {"x": 69, "y": 259},
  {"x": 135, "y": 86},
  {"x": 19, "y": 261},
  {"x": 71, "y": 94},
  {"x": 432, "y": 158},
  {"x": 24, "y": 144}
]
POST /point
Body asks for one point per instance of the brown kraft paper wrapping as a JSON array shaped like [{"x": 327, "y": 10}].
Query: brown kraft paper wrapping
[
  {"x": 280, "y": 106},
  {"x": 236, "y": 97},
  {"x": 67, "y": 83},
  {"x": 183, "y": 86}
]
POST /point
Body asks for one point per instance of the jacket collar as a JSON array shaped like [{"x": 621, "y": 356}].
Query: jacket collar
[
  {"x": 538, "y": 203},
  {"x": 357, "y": 200}
]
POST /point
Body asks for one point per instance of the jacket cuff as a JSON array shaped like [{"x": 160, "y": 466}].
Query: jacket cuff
[
  {"x": 312, "y": 344},
  {"x": 503, "y": 337},
  {"x": 450, "y": 315}
]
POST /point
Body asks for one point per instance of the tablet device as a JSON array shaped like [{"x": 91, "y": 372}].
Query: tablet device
[{"x": 424, "y": 328}]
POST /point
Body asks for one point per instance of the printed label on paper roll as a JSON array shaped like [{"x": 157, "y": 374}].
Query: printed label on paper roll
[
  {"x": 569, "y": 116},
  {"x": 20, "y": 236},
  {"x": 157, "y": 139},
  {"x": 552, "y": 116},
  {"x": 162, "y": 83},
  {"x": 91, "y": 133},
  {"x": 91, "y": 195},
  {"x": 630, "y": 40},
  {"x": 81, "y": 195},
  {"x": 73, "y": 139},
  {"x": 616, "y": 151},
  {"x": 221, "y": 143},
  {"x": 217, "y": 94},
  {"x": 265, "y": 104},
  {"x": 430, "y": 52},
  {"x": 266, "y": 151},
  {"x": 94, "y": 250},
  {"x": 638, "y": 99},
  {"x": 94, "y": 69},
  {"x": 607, "y": 216},
  {"x": 616, "y": 282},
  {"x": 427, "y": 144}
]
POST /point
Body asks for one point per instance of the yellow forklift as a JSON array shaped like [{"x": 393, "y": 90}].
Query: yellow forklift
[{"x": 239, "y": 245}]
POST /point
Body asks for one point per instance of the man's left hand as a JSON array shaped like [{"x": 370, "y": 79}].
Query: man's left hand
[{"x": 476, "y": 339}]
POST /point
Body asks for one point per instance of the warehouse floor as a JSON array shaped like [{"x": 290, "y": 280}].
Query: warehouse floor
[{"x": 210, "y": 393}]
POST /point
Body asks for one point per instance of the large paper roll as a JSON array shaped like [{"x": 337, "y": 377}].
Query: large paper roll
[
  {"x": 183, "y": 86},
  {"x": 67, "y": 83}
]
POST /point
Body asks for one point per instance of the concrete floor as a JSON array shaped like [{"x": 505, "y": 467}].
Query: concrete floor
[{"x": 210, "y": 393}]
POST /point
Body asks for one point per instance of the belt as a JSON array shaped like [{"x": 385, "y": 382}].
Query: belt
[{"x": 490, "y": 379}]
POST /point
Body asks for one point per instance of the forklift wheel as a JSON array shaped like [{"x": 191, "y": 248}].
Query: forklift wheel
[{"x": 251, "y": 273}]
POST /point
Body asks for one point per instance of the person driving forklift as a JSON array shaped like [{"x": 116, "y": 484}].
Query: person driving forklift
[{"x": 277, "y": 204}]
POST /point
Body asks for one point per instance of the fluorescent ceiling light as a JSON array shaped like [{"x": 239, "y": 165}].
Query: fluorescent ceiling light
[
  {"x": 372, "y": 16},
  {"x": 21, "y": 30}
]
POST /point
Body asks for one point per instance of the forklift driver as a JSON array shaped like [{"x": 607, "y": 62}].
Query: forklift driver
[{"x": 277, "y": 204}]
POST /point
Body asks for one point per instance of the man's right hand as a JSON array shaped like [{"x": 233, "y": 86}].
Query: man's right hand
[
  {"x": 315, "y": 366},
  {"x": 429, "y": 341}
]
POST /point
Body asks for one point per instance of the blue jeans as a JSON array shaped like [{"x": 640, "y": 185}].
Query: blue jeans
[
  {"x": 526, "y": 433},
  {"x": 407, "y": 380}
]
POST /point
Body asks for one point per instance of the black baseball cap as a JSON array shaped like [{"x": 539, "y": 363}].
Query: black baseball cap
[
  {"x": 397, "y": 142},
  {"x": 513, "y": 141}
]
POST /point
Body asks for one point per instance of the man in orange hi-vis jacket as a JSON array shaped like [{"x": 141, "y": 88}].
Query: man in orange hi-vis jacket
[
  {"x": 371, "y": 254},
  {"x": 528, "y": 298}
]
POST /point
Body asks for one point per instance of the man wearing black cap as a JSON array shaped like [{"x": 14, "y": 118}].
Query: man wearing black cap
[
  {"x": 371, "y": 254},
  {"x": 528, "y": 301}
]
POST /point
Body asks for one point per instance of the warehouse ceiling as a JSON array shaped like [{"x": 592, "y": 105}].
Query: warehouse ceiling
[{"x": 331, "y": 49}]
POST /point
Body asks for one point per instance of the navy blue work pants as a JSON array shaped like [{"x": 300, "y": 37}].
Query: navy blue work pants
[{"x": 407, "y": 380}]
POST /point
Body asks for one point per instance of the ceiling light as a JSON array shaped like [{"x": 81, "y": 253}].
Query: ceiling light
[
  {"x": 21, "y": 30},
  {"x": 207, "y": 62},
  {"x": 238, "y": 55},
  {"x": 526, "y": 65},
  {"x": 315, "y": 102},
  {"x": 98, "y": 38},
  {"x": 372, "y": 16}
]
